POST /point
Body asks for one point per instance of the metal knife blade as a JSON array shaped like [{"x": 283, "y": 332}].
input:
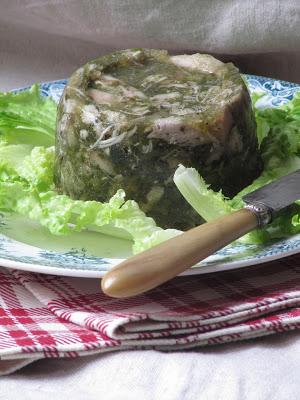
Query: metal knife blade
[{"x": 278, "y": 194}]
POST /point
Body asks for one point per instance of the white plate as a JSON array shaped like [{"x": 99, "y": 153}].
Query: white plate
[{"x": 27, "y": 246}]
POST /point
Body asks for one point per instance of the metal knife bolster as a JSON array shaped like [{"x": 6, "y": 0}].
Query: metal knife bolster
[
  {"x": 263, "y": 213},
  {"x": 266, "y": 201}
]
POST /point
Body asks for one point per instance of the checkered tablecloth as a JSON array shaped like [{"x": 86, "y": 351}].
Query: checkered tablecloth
[{"x": 52, "y": 316}]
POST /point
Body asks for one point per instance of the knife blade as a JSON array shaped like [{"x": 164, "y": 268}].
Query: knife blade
[
  {"x": 278, "y": 194},
  {"x": 163, "y": 262}
]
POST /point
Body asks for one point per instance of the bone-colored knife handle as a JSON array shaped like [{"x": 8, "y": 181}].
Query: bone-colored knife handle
[{"x": 157, "y": 265}]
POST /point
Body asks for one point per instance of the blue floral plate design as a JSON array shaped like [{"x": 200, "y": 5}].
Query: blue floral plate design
[{"x": 27, "y": 246}]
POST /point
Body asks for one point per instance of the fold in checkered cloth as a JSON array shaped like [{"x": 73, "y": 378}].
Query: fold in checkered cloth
[{"x": 49, "y": 316}]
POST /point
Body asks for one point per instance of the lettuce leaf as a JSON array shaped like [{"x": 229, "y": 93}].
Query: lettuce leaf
[
  {"x": 27, "y": 118},
  {"x": 279, "y": 136},
  {"x": 27, "y": 188},
  {"x": 27, "y": 131},
  {"x": 205, "y": 201}
]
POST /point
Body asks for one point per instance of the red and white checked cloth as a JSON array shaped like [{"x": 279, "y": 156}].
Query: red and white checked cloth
[{"x": 49, "y": 316}]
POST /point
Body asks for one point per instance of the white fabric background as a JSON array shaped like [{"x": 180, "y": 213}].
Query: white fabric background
[
  {"x": 47, "y": 39},
  {"x": 263, "y": 369}
]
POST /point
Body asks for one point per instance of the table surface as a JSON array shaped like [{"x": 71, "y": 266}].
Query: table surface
[{"x": 265, "y": 368}]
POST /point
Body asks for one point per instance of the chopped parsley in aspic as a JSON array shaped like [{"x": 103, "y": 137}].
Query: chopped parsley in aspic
[
  {"x": 128, "y": 119},
  {"x": 27, "y": 134}
]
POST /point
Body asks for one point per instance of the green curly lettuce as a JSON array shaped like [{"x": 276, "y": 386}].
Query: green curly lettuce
[
  {"x": 27, "y": 132},
  {"x": 27, "y": 136},
  {"x": 27, "y": 118},
  {"x": 28, "y": 190},
  {"x": 279, "y": 137}
]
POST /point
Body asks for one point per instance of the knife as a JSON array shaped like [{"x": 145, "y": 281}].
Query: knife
[{"x": 163, "y": 262}]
